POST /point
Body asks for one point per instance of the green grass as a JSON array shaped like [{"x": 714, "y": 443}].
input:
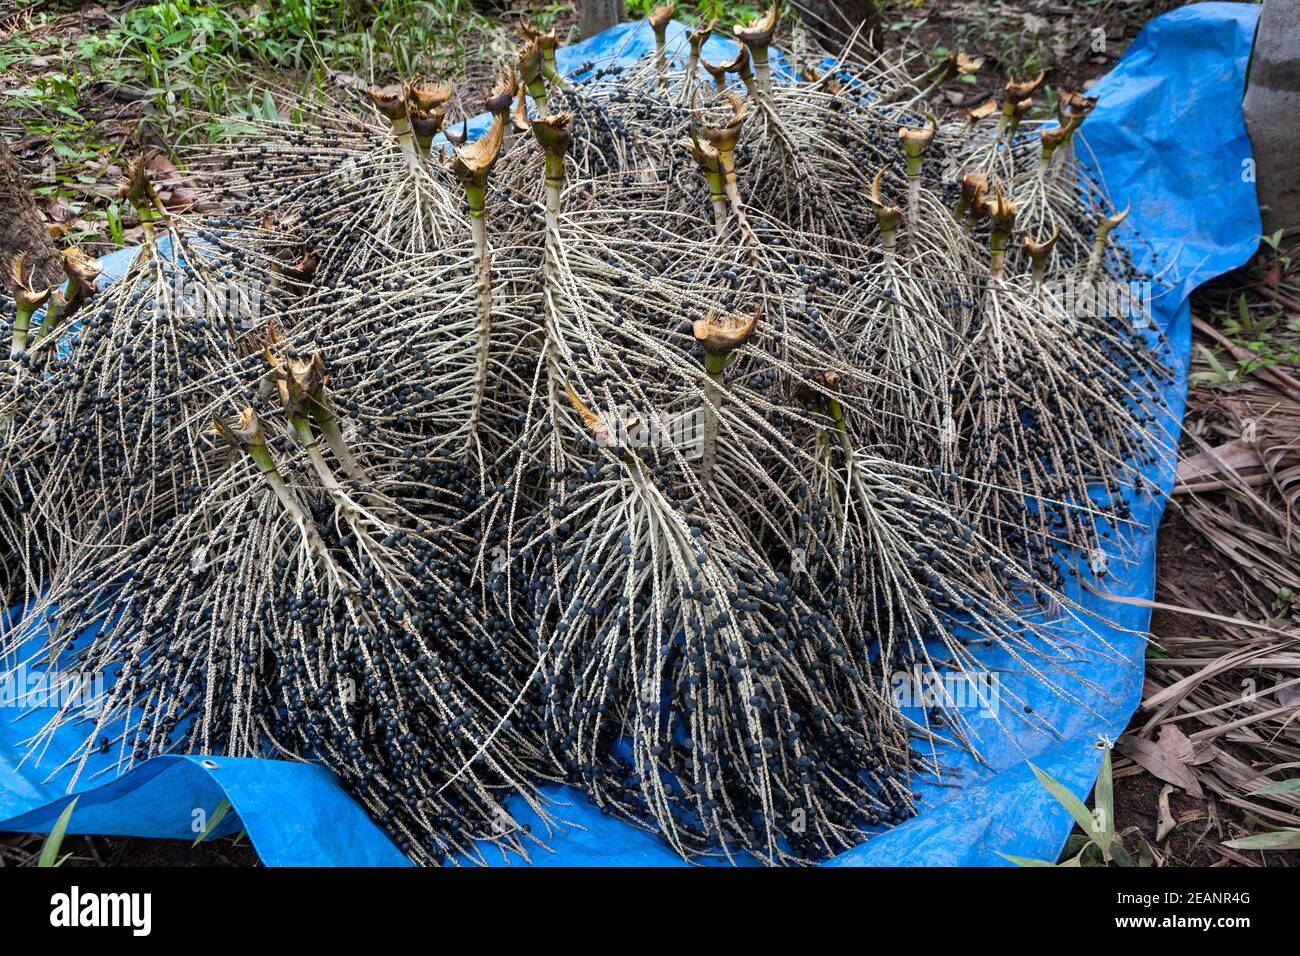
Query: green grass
[
  {"x": 1096, "y": 843},
  {"x": 54, "y": 840},
  {"x": 191, "y": 57},
  {"x": 187, "y": 55},
  {"x": 727, "y": 13},
  {"x": 1019, "y": 52}
]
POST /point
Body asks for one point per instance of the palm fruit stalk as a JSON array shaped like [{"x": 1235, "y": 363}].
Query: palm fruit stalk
[
  {"x": 757, "y": 38},
  {"x": 472, "y": 165}
]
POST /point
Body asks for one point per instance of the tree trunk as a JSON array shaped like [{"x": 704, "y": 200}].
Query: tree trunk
[
  {"x": 22, "y": 229},
  {"x": 1271, "y": 105},
  {"x": 832, "y": 22},
  {"x": 597, "y": 15}
]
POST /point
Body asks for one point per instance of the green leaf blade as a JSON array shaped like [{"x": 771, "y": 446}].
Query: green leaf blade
[
  {"x": 1087, "y": 822},
  {"x": 1279, "y": 840},
  {"x": 50, "y": 849},
  {"x": 214, "y": 820}
]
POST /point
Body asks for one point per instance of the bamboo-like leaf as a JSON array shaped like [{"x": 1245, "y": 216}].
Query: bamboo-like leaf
[
  {"x": 1279, "y": 840},
  {"x": 1094, "y": 855},
  {"x": 1283, "y": 786},
  {"x": 1074, "y": 844},
  {"x": 1146, "y": 856},
  {"x": 1068, "y": 800},
  {"x": 1104, "y": 801},
  {"x": 214, "y": 820},
  {"x": 50, "y": 849},
  {"x": 1023, "y": 860},
  {"x": 1121, "y": 855}
]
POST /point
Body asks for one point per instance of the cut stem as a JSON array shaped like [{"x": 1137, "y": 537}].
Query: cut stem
[
  {"x": 719, "y": 337},
  {"x": 762, "y": 70},
  {"x": 1098, "y": 256},
  {"x": 715, "y": 366},
  {"x": 472, "y": 166}
]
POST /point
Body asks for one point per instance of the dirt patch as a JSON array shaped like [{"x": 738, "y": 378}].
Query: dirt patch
[
  {"x": 1190, "y": 843},
  {"x": 1188, "y": 572},
  {"x": 24, "y": 849},
  {"x": 1074, "y": 43}
]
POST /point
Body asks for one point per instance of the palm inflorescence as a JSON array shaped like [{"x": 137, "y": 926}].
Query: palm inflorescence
[{"x": 632, "y": 443}]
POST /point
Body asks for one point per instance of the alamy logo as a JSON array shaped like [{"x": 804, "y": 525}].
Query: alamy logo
[
  {"x": 625, "y": 427},
  {"x": 66, "y": 690},
  {"x": 980, "y": 692},
  {"x": 237, "y": 301},
  {"x": 75, "y": 909},
  {"x": 1104, "y": 299}
]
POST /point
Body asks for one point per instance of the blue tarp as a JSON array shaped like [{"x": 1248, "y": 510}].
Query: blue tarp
[{"x": 1168, "y": 135}]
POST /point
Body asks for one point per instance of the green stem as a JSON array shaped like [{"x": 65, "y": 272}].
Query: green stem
[
  {"x": 333, "y": 487},
  {"x": 1008, "y": 110},
  {"x": 1097, "y": 257},
  {"x": 22, "y": 323},
  {"x": 913, "y": 196},
  {"x": 261, "y": 456},
  {"x": 718, "y": 197},
  {"x": 715, "y": 366},
  {"x": 998, "y": 250},
  {"x": 537, "y": 90},
  {"x": 328, "y": 424},
  {"x": 53, "y": 315},
  {"x": 406, "y": 140},
  {"x": 730, "y": 184},
  {"x": 483, "y": 275},
  {"x": 1039, "y": 270},
  {"x": 762, "y": 71},
  {"x": 554, "y": 183},
  {"x": 727, "y": 160},
  {"x": 551, "y": 70}
]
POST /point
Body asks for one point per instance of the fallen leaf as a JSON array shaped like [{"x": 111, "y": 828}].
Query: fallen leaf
[
  {"x": 182, "y": 198},
  {"x": 161, "y": 168},
  {"x": 1236, "y": 454},
  {"x": 1181, "y": 745},
  {"x": 1157, "y": 759},
  {"x": 347, "y": 81},
  {"x": 1165, "y": 825},
  {"x": 1034, "y": 23},
  {"x": 176, "y": 192}
]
